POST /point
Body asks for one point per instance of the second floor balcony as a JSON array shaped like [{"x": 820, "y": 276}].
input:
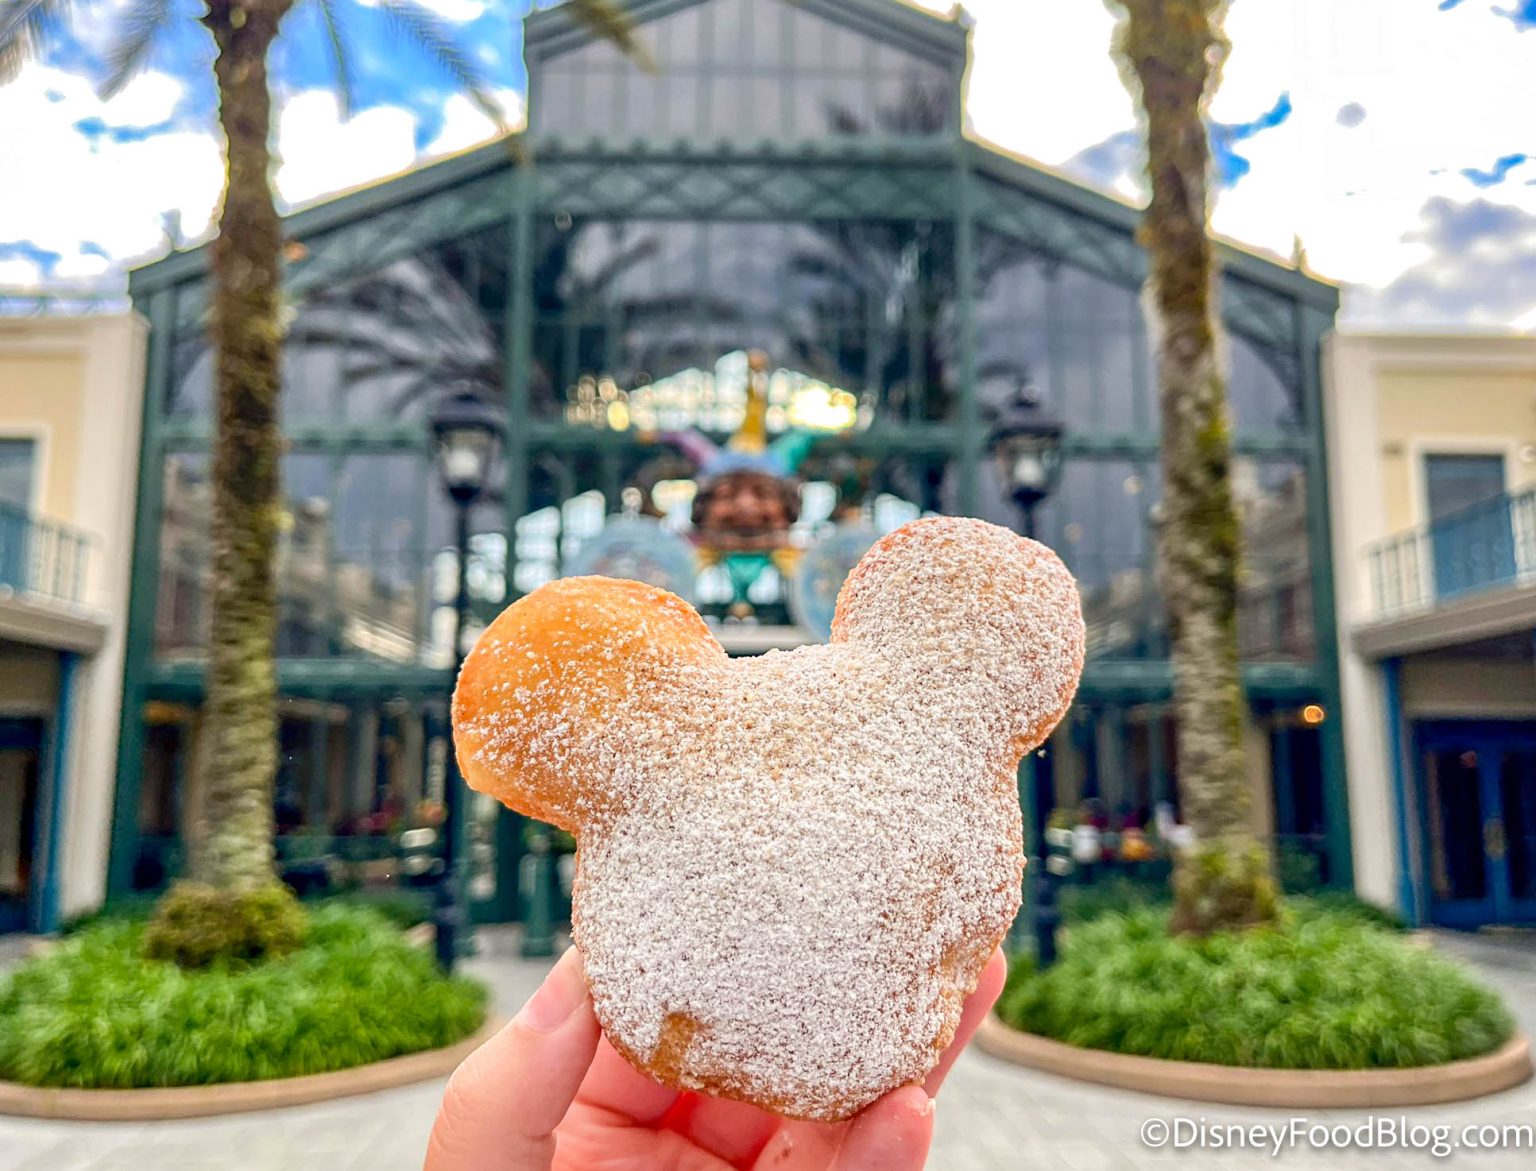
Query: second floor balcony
[
  {"x": 1465, "y": 575},
  {"x": 45, "y": 582}
]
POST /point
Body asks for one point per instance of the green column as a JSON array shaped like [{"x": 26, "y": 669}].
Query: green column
[
  {"x": 1311, "y": 325},
  {"x": 1019, "y": 933},
  {"x": 142, "y": 590},
  {"x": 538, "y": 938},
  {"x": 972, "y": 438}
]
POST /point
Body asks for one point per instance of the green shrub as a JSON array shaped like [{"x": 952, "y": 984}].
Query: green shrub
[
  {"x": 135, "y": 907},
  {"x": 1344, "y": 903},
  {"x": 95, "y": 1013},
  {"x": 1326, "y": 989},
  {"x": 194, "y": 925},
  {"x": 1113, "y": 894},
  {"x": 403, "y": 908}
]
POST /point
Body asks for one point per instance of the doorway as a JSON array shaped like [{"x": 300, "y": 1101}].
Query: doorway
[
  {"x": 1477, "y": 783},
  {"x": 21, "y": 743},
  {"x": 1471, "y": 534}
]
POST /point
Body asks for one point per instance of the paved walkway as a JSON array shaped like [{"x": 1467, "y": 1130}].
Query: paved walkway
[{"x": 993, "y": 1117}]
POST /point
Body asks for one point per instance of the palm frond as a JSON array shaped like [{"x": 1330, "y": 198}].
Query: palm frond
[
  {"x": 137, "y": 28},
  {"x": 346, "y": 87},
  {"x": 26, "y": 27},
  {"x": 421, "y": 27},
  {"x": 609, "y": 21}
]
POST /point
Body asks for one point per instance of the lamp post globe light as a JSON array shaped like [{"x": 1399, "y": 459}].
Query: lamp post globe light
[
  {"x": 466, "y": 438},
  {"x": 1025, "y": 445}
]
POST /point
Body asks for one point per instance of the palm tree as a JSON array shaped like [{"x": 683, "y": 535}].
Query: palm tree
[
  {"x": 1170, "y": 53},
  {"x": 231, "y": 855}
]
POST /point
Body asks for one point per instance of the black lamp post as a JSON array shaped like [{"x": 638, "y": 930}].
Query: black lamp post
[
  {"x": 1025, "y": 444},
  {"x": 1026, "y": 448},
  {"x": 466, "y": 436}
]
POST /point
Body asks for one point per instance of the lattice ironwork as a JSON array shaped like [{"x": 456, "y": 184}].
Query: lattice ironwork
[
  {"x": 764, "y": 187},
  {"x": 370, "y": 242}
]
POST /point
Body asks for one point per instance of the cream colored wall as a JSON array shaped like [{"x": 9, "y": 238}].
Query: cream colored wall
[
  {"x": 41, "y": 398},
  {"x": 1468, "y": 688},
  {"x": 1388, "y": 400},
  {"x": 29, "y": 680},
  {"x": 1457, "y": 408},
  {"x": 77, "y": 384}
]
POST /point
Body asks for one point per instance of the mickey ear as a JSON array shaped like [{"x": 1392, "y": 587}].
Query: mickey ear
[
  {"x": 559, "y": 683},
  {"x": 981, "y": 616}
]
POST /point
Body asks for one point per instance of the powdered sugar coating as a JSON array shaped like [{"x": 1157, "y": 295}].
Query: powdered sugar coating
[{"x": 792, "y": 867}]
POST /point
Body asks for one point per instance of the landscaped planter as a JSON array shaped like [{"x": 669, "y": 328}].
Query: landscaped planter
[
  {"x": 1507, "y": 1066},
  {"x": 236, "y": 1097},
  {"x": 96, "y": 1028}
]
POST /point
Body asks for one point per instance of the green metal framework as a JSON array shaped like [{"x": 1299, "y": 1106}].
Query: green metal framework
[{"x": 514, "y": 184}]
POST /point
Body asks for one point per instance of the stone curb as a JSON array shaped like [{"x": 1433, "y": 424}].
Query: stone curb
[
  {"x": 1427, "y": 1085},
  {"x": 237, "y": 1097}
]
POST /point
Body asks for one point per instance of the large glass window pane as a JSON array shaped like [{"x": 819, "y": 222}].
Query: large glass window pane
[
  {"x": 1101, "y": 520},
  {"x": 1261, "y": 400},
  {"x": 378, "y": 347},
  {"x": 867, "y": 307},
  {"x": 768, "y": 67},
  {"x": 1078, "y": 340},
  {"x": 182, "y": 602},
  {"x": 1274, "y": 617},
  {"x": 17, "y": 463},
  {"x": 391, "y": 341},
  {"x": 365, "y": 567}
]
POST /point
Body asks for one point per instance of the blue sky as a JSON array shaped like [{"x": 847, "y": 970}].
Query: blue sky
[{"x": 1420, "y": 194}]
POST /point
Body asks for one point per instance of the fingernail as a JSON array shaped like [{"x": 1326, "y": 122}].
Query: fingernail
[{"x": 564, "y": 991}]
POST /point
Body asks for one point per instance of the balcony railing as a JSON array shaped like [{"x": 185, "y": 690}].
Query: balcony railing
[
  {"x": 41, "y": 558},
  {"x": 1486, "y": 546}
]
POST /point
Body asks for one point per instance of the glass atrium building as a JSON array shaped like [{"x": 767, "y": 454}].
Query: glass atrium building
[{"x": 795, "y": 178}]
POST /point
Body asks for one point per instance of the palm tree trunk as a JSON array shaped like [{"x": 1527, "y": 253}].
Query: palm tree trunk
[
  {"x": 232, "y": 848},
  {"x": 1171, "y": 52}
]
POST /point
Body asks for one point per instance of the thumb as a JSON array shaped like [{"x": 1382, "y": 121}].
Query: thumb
[
  {"x": 892, "y": 1135},
  {"x": 503, "y": 1104}
]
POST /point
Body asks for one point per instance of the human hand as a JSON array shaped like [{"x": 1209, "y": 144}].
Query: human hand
[{"x": 548, "y": 1093}]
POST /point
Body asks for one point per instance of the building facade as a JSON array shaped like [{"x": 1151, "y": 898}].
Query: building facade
[
  {"x": 70, "y": 404},
  {"x": 1433, "y": 441},
  {"x": 793, "y": 178}
]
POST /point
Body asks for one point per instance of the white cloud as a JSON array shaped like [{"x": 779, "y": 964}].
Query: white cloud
[
  {"x": 105, "y": 192},
  {"x": 465, "y": 126},
  {"x": 456, "y": 11},
  {"x": 320, "y": 153},
  {"x": 1042, "y": 81},
  {"x": 1441, "y": 91}
]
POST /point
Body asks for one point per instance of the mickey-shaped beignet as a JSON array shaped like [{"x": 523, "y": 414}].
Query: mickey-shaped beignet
[{"x": 792, "y": 868}]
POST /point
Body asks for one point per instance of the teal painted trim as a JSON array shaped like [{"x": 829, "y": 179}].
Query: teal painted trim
[
  {"x": 51, "y": 837},
  {"x": 1311, "y": 325},
  {"x": 143, "y": 588},
  {"x": 930, "y": 438},
  {"x": 333, "y": 214},
  {"x": 311, "y": 679},
  {"x": 1151, "y": 681},
  {"x": 518, "y": 358},
  {"x": 972, "y": 437},
  {"x": 327, "y": 437},
  {"x": 1397, "y": 763}
]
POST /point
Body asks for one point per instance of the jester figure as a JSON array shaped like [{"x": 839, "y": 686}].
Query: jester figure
[{"x": 749, "y": 494}]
